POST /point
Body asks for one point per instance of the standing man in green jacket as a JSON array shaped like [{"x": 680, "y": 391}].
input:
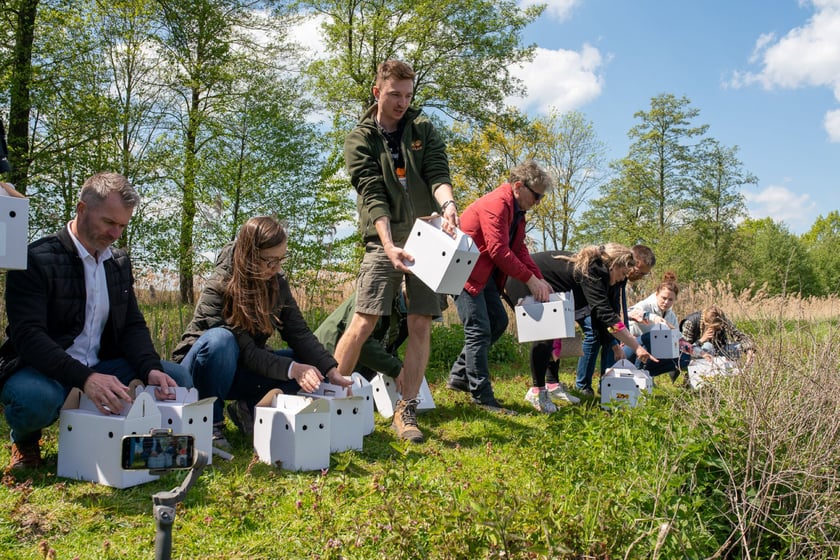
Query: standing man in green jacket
[{"x": 397, "y": 163}]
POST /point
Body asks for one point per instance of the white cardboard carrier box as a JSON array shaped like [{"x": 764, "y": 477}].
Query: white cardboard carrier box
[
  {"x": 664, "y": 342},
  {"x": 292, "y": 432},
  {"x": 90, "y": 442},
  {"x": 362, "y": 388},
  {"x": 546, "y": 321},
  {"x": 624, "y": 384},
  {"x": 14, "y": 232},
  {"x": 702, "y": 371},
  {"x": 385, "y": 395},
  {"x": 346, "y": 416},
  {"x": 441, "y": 262},
  {"x": 186, "y": 414}
]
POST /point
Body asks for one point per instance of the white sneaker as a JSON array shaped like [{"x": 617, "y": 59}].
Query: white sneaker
[
  {"x": 560, "y": 393},
  {"x": 540, "y": 401}
]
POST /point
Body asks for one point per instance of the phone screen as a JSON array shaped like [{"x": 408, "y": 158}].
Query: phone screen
[{"x": 158, "y": 451}]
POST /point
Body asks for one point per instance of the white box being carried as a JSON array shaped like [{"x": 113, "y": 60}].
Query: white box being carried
[
  {"x": 90, "y": 442},
  {"x": 14, "y": 231},
  {"x": 346, "y": 418},
  {"x": 664, "y": 342},
  {"x": 385, "y": 395},
  {"x": 362, "y": 388},
  {"x": 186, "y": 414},
  {"x": 624, "y": 384},
  {"x": 441, "y": 262},
  {"x": 546, "y": 321},
  {"x": 702, "y": 371},
  {"x": 292, "y": 432}
]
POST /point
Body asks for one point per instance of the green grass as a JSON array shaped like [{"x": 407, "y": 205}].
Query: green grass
[{"x": 662, "y": 480}]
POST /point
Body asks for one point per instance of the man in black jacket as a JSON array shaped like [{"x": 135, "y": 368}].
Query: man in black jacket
[{"x": 74, "y": 322}]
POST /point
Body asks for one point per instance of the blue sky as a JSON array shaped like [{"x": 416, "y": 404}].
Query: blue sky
[{"x": 764, "y": 74}]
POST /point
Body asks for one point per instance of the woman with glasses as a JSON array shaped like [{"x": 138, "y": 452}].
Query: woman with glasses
[
  {"x": 592, "y": 275},
  {"x": 243, "y": 303}
]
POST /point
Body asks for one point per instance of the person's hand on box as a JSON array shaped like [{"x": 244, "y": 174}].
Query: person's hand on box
[
  {"x": 308, "y": 377},
  {"x": 107, "y": 392},
  {"x": 164, "y": 385},
  {"x": 335, "y": 377}
]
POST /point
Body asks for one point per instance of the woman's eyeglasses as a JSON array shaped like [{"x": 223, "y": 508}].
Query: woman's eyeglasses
[{"x": 272, "y": 262}]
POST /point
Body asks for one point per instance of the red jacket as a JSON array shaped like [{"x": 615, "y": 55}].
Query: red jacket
[{"x": 488, "y": 221}]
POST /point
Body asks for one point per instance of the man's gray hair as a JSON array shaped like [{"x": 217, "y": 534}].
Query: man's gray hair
[
  {"x": 531, "y": 174},
  {"x": 98, "y": 187}
]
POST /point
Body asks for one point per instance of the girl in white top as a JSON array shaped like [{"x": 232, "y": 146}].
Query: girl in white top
[{"x": 656, "y": 308}]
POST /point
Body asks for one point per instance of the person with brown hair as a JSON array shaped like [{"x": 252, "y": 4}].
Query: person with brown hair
[
  {"x": 592, "y": 275},
  {"x": 243, "y": 303},
  {"x": 397, "y": 163},
  {"x": 655, "y": 309}
]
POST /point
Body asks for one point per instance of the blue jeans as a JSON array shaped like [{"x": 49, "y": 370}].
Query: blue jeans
[
  {"x": 33, "y": 401},
  {"x": 663, "y": 365},
  {"x": 591, "y": 348},
  {"x": 213, "y": 363},
  {"x": 485, "y": 320}
]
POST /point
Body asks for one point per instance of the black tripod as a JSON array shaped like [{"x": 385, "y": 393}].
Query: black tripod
[{"x": 164, "y": 508}]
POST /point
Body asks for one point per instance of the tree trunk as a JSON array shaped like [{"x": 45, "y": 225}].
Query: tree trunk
[{"x": 19, "y": 105}]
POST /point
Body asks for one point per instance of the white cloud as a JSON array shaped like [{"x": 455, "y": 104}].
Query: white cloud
[
  {"x": 308, "y": 34},
  {"x": 832, "y": 125},
  {"x": 807, "y": 56},
  {"x": 558, "y": 9},
  {"x": 782, "y": 205},
  {"x": 562, "y": 79}
]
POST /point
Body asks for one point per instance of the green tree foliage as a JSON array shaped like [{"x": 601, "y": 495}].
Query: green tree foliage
[
  {"x": 773, "y": 259},
  {"x": 822, "y": 242},
  {"x": 713, "y": 208},
  {"x": 460, "y": 49}
]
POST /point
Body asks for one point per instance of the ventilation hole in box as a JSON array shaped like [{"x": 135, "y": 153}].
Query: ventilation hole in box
[
  {"x": 111, "y": 435},
  {"x": 321, "y": 426},
  {"x": 190, "y": 421},
  {"x": 12, "y": 214},
  {"x": 305, "y": 427},
  {"x": 69, "y": 428},
  {"x": 443, "y": 253},
  {"x": 469, "y": 263},
  {"x": 287, "y": 427},
  {"x": 419, "y": 233},
  {"x": 355, "y": 410},
  {"x": 457, "y": 260},
  {"x": 169, "y": 421},
  {"x": 339, "y": 412},
  {"x": 204, "y": 419}
]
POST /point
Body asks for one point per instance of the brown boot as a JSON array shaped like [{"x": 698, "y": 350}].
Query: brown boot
[
  {"x": 405, "y": 421},
  {"x": 25, "y": 456}
]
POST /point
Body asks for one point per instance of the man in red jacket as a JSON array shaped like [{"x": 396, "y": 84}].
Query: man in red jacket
[{"x": 496, "y": 222}]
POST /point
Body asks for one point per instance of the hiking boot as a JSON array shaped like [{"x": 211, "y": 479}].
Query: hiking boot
[
  {"x": 540, "y": 400},
  {"x": 242, "y": 416},
  {"x": 560, "y": 393},
  {"x": 405, "y": 421},
  {"x": 219, "y": 439},
  {"x": 490, "y": 404},
  {"x": 25, "y": 456},
  {"x": 458, "y": 384}
]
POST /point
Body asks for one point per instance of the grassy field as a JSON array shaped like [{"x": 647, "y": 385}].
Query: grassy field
[{"x": 747, "y": 468}]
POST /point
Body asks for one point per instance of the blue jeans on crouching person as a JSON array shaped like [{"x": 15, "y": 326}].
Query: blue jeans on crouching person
[
  {"x": 33, "y": 401},
  {"x": 213, "y": 362}
]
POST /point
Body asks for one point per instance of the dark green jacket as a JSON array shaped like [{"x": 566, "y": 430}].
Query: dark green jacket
[
  {"x": 378, "y": 353},
  {"x": 373, "y": 175},
  {"x": 253, "y": 353}
]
